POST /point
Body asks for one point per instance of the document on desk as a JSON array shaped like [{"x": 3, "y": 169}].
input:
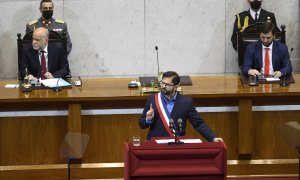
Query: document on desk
[
  {"x": 272, "y": 79},
  {"x": 165, "y": 141},
  {"x": 11, "y": 86},
  {"x": 55, "y": 82}
]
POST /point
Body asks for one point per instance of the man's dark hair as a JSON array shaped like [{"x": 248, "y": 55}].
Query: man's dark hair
[
  {"x": 42, "y": 1},
  {"x": 268, "y": 27},
  {"x": 174, "y": 75}
]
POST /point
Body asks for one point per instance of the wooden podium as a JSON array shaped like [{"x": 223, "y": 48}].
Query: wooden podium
[{"x": 207, "y": 160}]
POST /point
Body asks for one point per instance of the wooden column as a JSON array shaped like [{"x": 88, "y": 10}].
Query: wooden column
[
  {"x": 246, "y": 136},
  {"x": 74, "y": 118}
]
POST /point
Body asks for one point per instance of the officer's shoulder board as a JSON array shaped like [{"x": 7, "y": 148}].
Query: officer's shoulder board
[
  {"x": 59, "y": 21},
  {"x": 32, "y": 22}
]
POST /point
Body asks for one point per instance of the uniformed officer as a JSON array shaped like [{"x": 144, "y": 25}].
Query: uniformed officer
[
  {"x": 252, "y": 16},
  {"x": 46, "y": 21}
]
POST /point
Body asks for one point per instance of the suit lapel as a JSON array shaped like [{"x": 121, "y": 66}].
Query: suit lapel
[
  {"x": 50, "y": 55},
  {"x": 259, "y": 54},
  {"x": 275, "y": 51},
  {"x": 176, "y": 106}
]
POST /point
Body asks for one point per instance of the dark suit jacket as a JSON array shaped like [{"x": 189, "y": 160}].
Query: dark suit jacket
[
  {"x": 183, "y": 108},
  {"x": 280, "y": 58},
  {"x": 57, "y": 61},
  {"x": 263, "y": 17}
]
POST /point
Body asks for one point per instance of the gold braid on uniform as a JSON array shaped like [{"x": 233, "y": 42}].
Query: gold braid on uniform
[{"x": 246, "y": 24}]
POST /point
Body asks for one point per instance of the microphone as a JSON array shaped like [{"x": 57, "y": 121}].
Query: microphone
[
  {"x": 156, "y": 48},
  {"x": 284, "y": 82},
  {"x": 179, "y": 121},
  {"x": 57, "y": 88},
  {"x": 171, "y": 124},
  {"x": 292, "y": 49}
]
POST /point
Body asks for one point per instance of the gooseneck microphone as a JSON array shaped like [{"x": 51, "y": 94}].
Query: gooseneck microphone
[
  {"x": 156, "y": 48},
  {"x": 171, "y": 124},
  {"x": 179, "y": 122},
  {"x": 58, "y": 88},
  {"x": 175, "y": 131},
  {"x": 292, "y": 49}
]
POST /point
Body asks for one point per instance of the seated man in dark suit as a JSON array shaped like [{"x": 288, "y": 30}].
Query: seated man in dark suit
[
  {"x": 169, "y": 104},
  {"x": 43, "y": 60},
  {"x": 254, "y": 15},
  {"x": 267, "y": 56}
]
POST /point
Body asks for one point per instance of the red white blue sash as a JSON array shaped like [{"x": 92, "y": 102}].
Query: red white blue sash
[{"x": 162, "y": 113}]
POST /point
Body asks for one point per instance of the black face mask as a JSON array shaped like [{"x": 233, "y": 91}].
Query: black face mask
[
  {"x": 255, "y": 4},
  {"x": 47, "y": 14}
]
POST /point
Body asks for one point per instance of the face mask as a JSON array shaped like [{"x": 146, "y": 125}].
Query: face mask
[
  {"x": 47, "y": 14},
  {"x": 255, "y": 4}
]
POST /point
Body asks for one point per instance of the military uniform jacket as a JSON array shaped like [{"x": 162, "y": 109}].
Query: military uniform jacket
[
  {"x": 264, "y": 16},
  {"x": 58, "y": 26}
]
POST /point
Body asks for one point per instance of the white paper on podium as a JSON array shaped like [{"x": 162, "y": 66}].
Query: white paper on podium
[
  {"x": 165, "y": 141},
  {"x": 53, "y": 82},
  {"x": 273, "y": 79}
]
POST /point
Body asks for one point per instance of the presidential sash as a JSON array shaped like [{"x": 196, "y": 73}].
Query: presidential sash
[{"x": 163, "y": 114}]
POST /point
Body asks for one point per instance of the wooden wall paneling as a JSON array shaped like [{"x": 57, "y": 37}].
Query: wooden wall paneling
[{"x": 31, "y": 140}]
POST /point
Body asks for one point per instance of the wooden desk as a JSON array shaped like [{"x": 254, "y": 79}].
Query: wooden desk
[{"x": 112, "y": 93}]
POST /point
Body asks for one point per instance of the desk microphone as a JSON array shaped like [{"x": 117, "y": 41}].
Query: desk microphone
[
  {"x": 171, "y": 124},
  {"x": 57, "y": 88},
  {"x": 156, "y": 48},
  {"x": 179, "y": 122}
]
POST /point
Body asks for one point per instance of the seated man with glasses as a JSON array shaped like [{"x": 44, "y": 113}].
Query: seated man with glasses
[{"x": 169, "y": 104}]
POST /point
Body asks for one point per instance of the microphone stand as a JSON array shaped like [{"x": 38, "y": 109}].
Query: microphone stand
[
  {"x": 57, "y": 88},
  {"x": 176, "y": 139},
  {"x": 69, "y": 168}
]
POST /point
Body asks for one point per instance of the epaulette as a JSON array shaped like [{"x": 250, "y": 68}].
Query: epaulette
[
  {"x": 32, "y": 22},
  {"x": 59, "y": 21}
]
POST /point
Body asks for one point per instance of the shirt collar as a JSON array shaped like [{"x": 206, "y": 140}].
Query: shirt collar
[
  {"x": 252, "y": 12},
  {"x": 45, "y": 49},
  {"x": 172, "y": 99}
]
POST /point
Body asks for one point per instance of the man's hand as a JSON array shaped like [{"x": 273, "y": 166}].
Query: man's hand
[
  {"x": 32, "y": 78},
  {"x": 150, "y": 113},
  {"x": 253, "y": 72},
  {"x": 217, "y": 139},
  {"x": 48, "y": 75},
  {"x": 277, "y": 74}
]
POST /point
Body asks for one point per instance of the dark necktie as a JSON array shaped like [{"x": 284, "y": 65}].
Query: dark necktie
[
  {"x": 267, "y": 62},
  {"x": 43, "y": 65},
  {"x": 256, "y": 15}
]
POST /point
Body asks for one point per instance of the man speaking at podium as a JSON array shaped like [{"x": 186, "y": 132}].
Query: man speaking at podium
[
  {"x": 43, "y": 60},
  {"x": 267, "y": 56},
  {"x": 169, "y": 104}
]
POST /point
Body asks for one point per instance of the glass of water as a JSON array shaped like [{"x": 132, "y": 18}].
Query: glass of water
[{"x": 136, "y": 140}]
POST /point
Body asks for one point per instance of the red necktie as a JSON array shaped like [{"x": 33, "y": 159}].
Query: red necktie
[
  {"x": 43, "y": 65},
  {"x": 267, "y": 62}
]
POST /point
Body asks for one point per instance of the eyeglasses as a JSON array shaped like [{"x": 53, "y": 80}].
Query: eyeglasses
[{"x": 165, "y": 84}]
